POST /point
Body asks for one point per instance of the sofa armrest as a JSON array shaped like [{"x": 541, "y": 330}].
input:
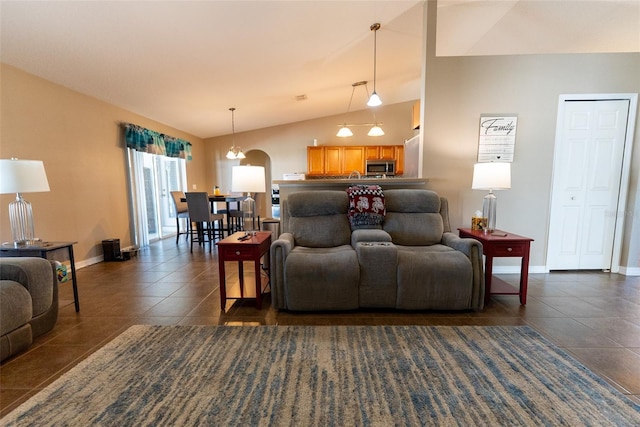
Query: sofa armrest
[
  {"x": 279, "y": 251},
  {"x": 369, "y": 235},
  {"x": 473, "y": 250},
  {"x": 463, "y": 245},
  {"x": 36, "y": 275}
]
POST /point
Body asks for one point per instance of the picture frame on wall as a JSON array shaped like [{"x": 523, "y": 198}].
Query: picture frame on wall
[{"x": 497, "y": 137}]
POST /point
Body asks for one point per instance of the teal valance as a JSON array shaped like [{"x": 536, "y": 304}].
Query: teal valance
[{"x": 150, "y": 141}]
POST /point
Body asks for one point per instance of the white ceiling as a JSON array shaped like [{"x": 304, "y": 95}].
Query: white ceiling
[{"x": 184, "y": 63}]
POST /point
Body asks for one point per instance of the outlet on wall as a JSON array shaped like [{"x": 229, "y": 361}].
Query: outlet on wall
[{"x": 194, "y": 186}]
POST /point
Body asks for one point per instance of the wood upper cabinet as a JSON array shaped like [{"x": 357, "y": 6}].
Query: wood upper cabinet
[
  {"x": 342, "y": 160},
  {"x": 387, "y": 152},
  {"x": 353, "y": 160},
  {"x": 415, "y": 119},
  {"x": 315, "y": 160},
  {"x": 399, "y": 158},
  {"x": 380, "y": 152},
  {"x": 333, "y": 160},
  {"x": 371, "y": 152}
]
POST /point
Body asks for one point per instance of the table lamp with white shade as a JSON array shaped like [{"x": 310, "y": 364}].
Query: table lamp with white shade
[
  {"x": 491, "y": 176},
  {"x": 22, "y": 176},
  {"x": 248, "y": 179}
]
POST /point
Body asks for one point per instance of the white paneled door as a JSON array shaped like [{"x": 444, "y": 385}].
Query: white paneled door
[{"x": 588, "y": 162}]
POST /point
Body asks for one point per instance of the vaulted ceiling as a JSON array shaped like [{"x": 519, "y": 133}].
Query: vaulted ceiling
[{"x": 184, "y": 63}]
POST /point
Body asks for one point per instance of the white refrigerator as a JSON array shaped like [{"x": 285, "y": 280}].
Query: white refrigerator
[{"x": 411, "y": 157}]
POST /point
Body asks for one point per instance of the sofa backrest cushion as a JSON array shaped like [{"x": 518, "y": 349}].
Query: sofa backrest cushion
[
  {"x": 318, "y": 219},
  {"x": 413, "y": 217}
]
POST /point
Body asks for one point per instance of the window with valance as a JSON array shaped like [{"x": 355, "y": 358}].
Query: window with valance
[{"x": 150, "y": 141}]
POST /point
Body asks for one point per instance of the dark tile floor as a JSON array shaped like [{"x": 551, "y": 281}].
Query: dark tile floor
[{"x": 595, "y": 316}]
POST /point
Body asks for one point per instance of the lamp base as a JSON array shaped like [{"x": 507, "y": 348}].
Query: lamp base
[
  {"x": 248, "y": 213},
  {"x": 21, "y": 218},
  {"x": 489, "y": 211}
]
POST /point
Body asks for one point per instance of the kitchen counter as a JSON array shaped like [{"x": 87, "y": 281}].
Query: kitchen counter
[{"x": 312, "y": 184}]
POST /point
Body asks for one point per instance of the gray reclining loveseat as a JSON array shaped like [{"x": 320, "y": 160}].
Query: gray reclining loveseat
[{"x": 408, "y": 259}]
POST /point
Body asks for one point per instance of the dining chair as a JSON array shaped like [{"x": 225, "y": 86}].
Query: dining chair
[
  {"x": 234, "y": 217},
  {"x": 208, "y": 225},
  {"x": 181, "y": 211}
]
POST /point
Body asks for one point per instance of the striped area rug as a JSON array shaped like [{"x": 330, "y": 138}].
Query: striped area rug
[{"x": 328, "y": 376}]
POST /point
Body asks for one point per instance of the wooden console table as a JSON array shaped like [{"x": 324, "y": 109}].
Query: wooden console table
[
  {"x": 251, "y": 249},
  {"x": 46, "y": 250},
  {"x": 502, "y": 244}
]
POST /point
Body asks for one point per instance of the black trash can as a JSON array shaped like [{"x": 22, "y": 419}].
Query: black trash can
[
  {"x": 273, "y": 225},
  {"x": 111, "y": 249}
]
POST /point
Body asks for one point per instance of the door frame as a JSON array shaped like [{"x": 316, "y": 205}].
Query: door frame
[{"x": 626, "y": 164}]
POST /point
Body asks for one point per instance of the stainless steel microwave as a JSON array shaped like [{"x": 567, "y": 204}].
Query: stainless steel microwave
[{"x": 380, "y": 167}]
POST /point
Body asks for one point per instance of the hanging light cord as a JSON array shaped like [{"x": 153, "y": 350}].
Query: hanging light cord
[
  {"x": 375, "y": 28},
  {"x": 233, "y": 127}
]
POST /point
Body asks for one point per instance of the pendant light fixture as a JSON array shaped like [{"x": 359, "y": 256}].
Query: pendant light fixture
[
  {"x": 375, "y": 100},
  {"x": 344, "y": 131},
  {"x": 234, "y": 152}
]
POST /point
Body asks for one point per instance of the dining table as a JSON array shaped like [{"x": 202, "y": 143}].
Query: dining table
[{"x": 227, "y": 199}]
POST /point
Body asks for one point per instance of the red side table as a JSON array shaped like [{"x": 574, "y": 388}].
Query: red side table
[
  {"x": 502, "y": 244},
  {"x": 252, "y": 249}
]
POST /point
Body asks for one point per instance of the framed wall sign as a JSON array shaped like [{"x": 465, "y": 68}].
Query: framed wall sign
[{"x": 497, "y": 137}]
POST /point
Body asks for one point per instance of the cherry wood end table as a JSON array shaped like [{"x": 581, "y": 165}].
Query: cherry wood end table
[
  {"x": 251, "y": 249},
  {"x": 502, "y": 244}
]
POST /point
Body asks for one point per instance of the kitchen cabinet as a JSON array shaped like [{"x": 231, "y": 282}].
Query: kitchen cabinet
[
  {"x": 399, "y": 158},
  {"x": 415, "y": 119},
  {"x": 315, "y": 160},
  {"x": 380, "y": 152},
  {"x": 333, "y": 160},
  {"x": 343, "y": 160},
  {"x": 371, "y": 152},
  {"x": 353, "y": 160}
]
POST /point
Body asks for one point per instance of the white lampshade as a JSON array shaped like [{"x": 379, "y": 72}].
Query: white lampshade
[
  {"x": 376, "y": 131},
  {"x": 22, "y": 176},
  {"x": 491, "y": 176},
  {"x": 344, "y": 132},
  {"x": 248, "y": 179},
  {"x": 375, "y": 100}
]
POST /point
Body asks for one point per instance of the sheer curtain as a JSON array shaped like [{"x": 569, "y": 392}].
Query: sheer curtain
[{"x": 156, "y": 165}]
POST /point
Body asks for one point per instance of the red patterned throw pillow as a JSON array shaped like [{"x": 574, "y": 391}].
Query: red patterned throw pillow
[{"x": 366, "y": 206}]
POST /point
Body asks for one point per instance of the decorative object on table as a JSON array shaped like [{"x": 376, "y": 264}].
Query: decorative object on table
[
  {"x": 360, "y": 376},
  {"x": 491, "y": 176},
  {"x": 234, "y": 152},
  {"x": 248, "y": 179},
  {"x": 22, "y": 176},
  {"x": 374, "y": 100},
  {"x": 478, "y": 222},
  {"x": 375, "y": 130},
  {"x": 61, "y": 271}
]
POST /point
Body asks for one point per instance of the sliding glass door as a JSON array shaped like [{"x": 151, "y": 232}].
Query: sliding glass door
[{"x": 152, "y": 178}]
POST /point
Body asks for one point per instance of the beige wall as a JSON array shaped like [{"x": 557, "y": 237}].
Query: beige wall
[
  {"x": 458, "y": 90},
  {"x": 80, "y": 141}
]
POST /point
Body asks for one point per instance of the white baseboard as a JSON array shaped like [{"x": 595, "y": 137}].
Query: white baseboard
[
  {"x": 630, "y": 271},
  {"x": 537, "y": 269},
  {"x": 89, "y": 261}
]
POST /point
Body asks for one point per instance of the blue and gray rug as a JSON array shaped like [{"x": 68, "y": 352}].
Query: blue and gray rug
[{"x": 328, "y": 376}]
